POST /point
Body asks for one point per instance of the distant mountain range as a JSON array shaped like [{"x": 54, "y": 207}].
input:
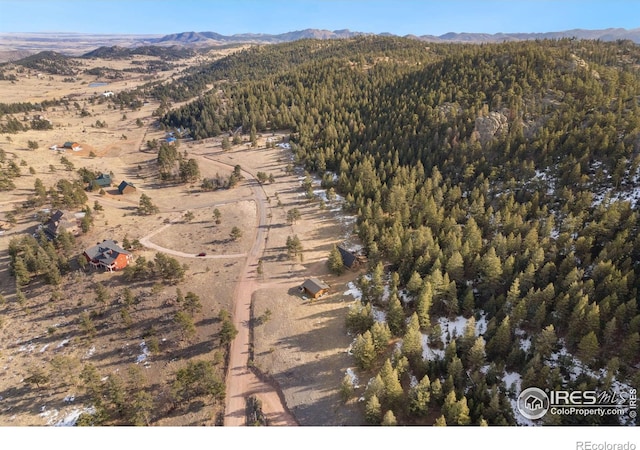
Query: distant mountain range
[
  {"x": 18, "y": 45},
  {"x": 209, "y": 38}
]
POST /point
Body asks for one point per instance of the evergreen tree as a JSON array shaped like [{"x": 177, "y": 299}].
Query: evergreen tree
[
  {"x": 393, "y": 392},
  {"x": 373, "y": 410},
  {"x": 588, "y": 347},
  {"x": 441, "y": 421},
  {"x": 389, "y": 419},
  {"x": 412, "y": 341},
  {"x": 334, "y": 262},
  {"x": 476, "y": 357},
  {"x": 364, "y": 351},
  {"x": 420, "y": 396},
  {"x": 395, "y": 315},
  {"x": 423, "y": 306},
  {"x": 146, "y": 206},
  {"x": 381, "y": 335}
]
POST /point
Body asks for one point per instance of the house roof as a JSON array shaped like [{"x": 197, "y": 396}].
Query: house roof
[
  {"x": 103, "y": 180},
  {"x": 57, "y": 222},
  {"x": 123, "y": 185},
  {"x": 348, "y": 258},
  {"x": 314, "y": 285},
  {"x": 105, "y": 252}
]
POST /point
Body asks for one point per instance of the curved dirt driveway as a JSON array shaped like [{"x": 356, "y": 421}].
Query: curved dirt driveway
[{"x": 241, "y": 382}]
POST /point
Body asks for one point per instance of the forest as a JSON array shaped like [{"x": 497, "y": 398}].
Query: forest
[{"x": 498, "y": 182}]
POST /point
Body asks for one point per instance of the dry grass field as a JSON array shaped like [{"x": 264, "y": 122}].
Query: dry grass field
[{"x": 302, "y": 347}]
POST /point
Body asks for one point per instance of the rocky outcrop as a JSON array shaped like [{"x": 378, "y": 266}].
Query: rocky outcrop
[{"x": 493, "y": 125}]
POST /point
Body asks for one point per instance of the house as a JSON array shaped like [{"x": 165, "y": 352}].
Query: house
[
  {"x": 125, "y": 187},
  {"x": 350, "y": 259},
  {"x": 102, "y": 181},
  {"x": 72, "y": 145},
  {"x": 314, "y": 288},
  {"x": 58, "y": 222},
  {"x": 109, "y": 255}
]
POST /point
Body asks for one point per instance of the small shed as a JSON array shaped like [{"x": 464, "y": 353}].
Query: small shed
[
  {"x": 314, "y": 288},
  {"x": 349, "y": 259},
  {"x": 125, "y": 187}
]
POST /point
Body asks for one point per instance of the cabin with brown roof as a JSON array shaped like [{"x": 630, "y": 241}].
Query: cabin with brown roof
[{"x": 314, "y": 288}]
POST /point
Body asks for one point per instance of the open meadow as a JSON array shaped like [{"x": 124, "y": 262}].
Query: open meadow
[{"x": 132, "y": 337}]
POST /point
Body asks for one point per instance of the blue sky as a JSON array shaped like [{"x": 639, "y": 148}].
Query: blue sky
[{"x": 399, "y": 17}]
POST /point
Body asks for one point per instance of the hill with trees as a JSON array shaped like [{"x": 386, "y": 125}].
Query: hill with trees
[{"x": 499, "y": 185}]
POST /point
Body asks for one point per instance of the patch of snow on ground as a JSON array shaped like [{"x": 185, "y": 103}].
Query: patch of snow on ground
[
  {"x": 413, "y": 382},
  {"x": 353, "y": 290},
  {"x": 512, "y": 379},
  {"x": 62, "y": 343},
  {"x": 525, "y": 344},
  {"x": 481, "y": 324},
  {"x": 353, "y": 377},
  {"x": 145, "y": 353},
  {"x": 429, "y": 353},
  {"x": 379, "y": 315},
  {"x": 457, "y": 326},
  {"x": 69, "y": 398},
  {"x": 404, "y": 296},
  {"x": 27, "y": 348},
  {"x": 90, "y": 353},
  {"x": 44, "y": 347},
  {"x": 70, "y": 419},
  {"x": 50, "y": 415}
]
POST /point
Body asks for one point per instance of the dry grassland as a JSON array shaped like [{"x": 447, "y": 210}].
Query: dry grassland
[{"x": 303, "y": 345}]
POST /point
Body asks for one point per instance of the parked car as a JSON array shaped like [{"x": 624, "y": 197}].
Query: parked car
[{"x": 201, "y": 254}]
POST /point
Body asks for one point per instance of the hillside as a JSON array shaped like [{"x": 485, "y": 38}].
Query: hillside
[{"x": 496, "y": 194}]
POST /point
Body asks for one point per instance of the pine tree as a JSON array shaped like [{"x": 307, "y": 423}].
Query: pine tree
[
  {"x": 500, "y": 343},
  {"x": 423, "y": 306},
  {"x": 346, "y": 388},
  {"x": 364, "y": 351},
  {"x": 420, "y": 396},
  {"x": 373, "y": 410},
  {"x": 375, "y": 387},
  {"x": 546, "y": 342},
  {"x": 336, "y": 266},
  {"x": 381, "y": 335},
  {"x": 440, "y": 422},
  {"x": 392, "y": 388},
  {"x": 588, "y": 347},
  {"x": 389, "y": 419},
  {"x": 414, "y": 284},
  {"x": 395, "y": 315},
  {"x": 412, "y": 341},
  {"x": 146, "y": 206},
  {"x": 377, "y": 283},
  {"x": 20, "y": 272},
  {"x": 476, "y": 357}
]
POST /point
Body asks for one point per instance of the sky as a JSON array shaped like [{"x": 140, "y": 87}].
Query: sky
[{"x": 400, "y": 17}]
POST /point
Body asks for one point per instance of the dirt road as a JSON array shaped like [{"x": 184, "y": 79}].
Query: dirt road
[{"x": 241, "y": 382}]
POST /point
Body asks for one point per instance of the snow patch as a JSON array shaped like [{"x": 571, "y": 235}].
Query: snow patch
[
  {"x": 429, "y": 353},
  {"x": 142, "y": 357},
  {"x": 353, "y": 290},
  {"x": 353, "y": 377}
]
